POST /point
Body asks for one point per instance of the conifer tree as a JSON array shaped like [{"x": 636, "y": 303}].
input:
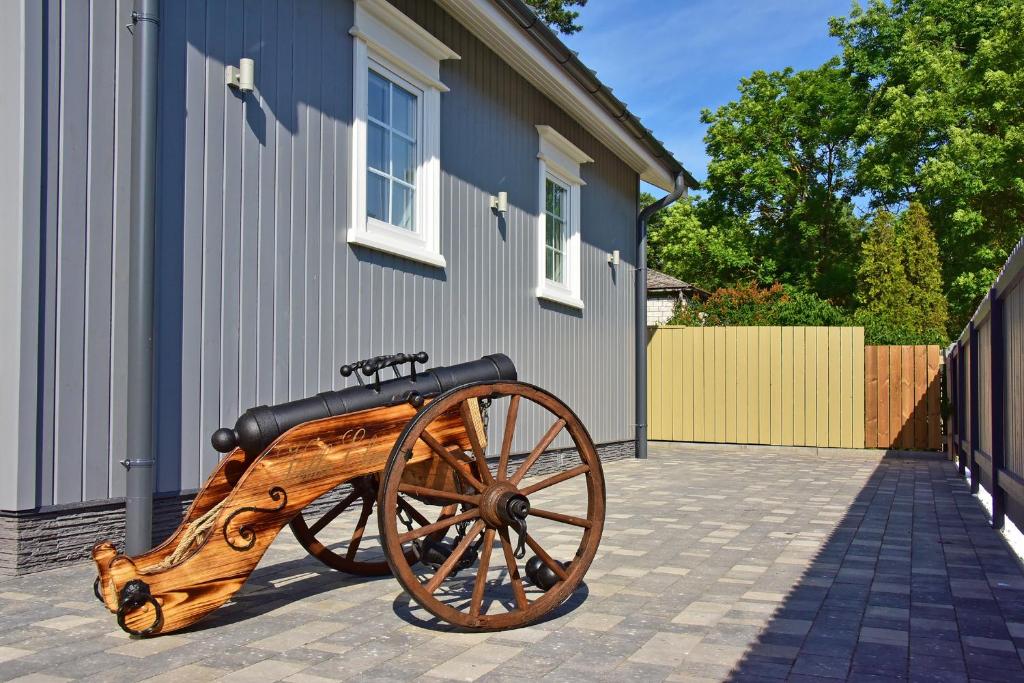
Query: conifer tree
[
  {"x": 882, "y": 285},
  {"x": 924, "y": 273}
]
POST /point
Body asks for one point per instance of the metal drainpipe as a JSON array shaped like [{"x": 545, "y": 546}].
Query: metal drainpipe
[
  {"x": 640, "y": 323},
  {"x": 140, "y": 446}
]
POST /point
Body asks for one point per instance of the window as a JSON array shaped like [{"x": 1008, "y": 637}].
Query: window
[
  {"x": 556, "y": 224},
  {"x": 391, "y": 153},
  {"x": 396, "y": 123},
  {"x": 559, "y": 266}
]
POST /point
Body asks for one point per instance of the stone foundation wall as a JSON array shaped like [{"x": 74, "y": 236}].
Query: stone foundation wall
[{"x": 34, "y": 541}]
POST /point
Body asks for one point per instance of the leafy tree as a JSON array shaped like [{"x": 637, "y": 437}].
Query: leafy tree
[
  {"x": 943, "y": 81},
  {"x": 558, "y": 15},
  {"x": 783, "y": 162},
  {"x": 709, "y": 257}
]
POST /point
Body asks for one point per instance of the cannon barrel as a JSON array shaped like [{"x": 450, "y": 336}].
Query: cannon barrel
[{"x": 258, "y": 427}]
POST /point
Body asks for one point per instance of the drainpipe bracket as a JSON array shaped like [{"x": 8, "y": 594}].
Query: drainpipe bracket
[
  {"x": 139, "y": 16},
  {"x": 128, "y": 463}
]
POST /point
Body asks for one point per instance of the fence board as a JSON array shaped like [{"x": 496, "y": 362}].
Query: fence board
[
  {"x": 764, "y": 386},
  {"x": 846, "y": 384},
  {"x": 934, "y": 438},
  {"x": 871, "y": 392},
  {"x": 920, "y": 392},
  {"x": 821, "y": 385},
  {"x": 811, "y": 386},
  {"x": 885, "y": 370},
  {"x": 906, "y": 431},
  {"x": 730, "y": 384},
  {"x": 799, "y": 398},
  {"x": 786, "y": 406},
  {"x": 858, "y": 386},
  {"x": 742, "y": 397},
  {"x": 699, "y": 401}
]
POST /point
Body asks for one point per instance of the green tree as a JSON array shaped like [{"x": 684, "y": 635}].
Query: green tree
[
  {"x": 711, "y": 257},
  {"x": 783, "y": 163},
  {"x": 558, "y": 14},
  {"x": 883, "y": 289},
  {"x": 924, "y": 275},
  {"x": 943, "y": 81}
]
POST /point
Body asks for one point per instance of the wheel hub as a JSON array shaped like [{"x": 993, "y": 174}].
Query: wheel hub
[{"x": 502, "y": 505}]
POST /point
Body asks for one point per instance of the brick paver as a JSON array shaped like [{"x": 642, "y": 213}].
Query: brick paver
[{"x": 717, "y": 564}]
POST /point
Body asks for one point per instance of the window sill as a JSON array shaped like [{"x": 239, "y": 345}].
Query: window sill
[
  {"x": 551, "y": 293},
  {"x": 389, "y": 245}
]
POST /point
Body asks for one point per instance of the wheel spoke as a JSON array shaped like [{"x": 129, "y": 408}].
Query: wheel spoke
[
  {"x": 474, "y": 441},
  {"x": 425, "y": 492},
  {"x": 438, "y": 525},
  {"x": 557, "y": 568},
  {"x": 513, "y": 570},
  {"x": 357, "y": 535},
  {"x": 555, "y": 479},
  {"x": 452, "y": 461},
  {"x": 506, "y": 442},
  {"x": 559, "y": 517},
  {"x": 445, "y": 569},
  {"x": 481, "y": 574},
  {"x": 544, "y": 442},
  {"x": 333, "y": 513},
  {"x": 413, "y": 512}
]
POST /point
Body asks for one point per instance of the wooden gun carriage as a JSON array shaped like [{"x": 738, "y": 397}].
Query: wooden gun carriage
[{"x": 413, "y": 449}]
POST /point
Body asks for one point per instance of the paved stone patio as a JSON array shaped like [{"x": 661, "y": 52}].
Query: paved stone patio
[{"x": 717, "y": 564}]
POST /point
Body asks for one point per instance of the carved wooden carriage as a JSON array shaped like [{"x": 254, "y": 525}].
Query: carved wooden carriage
[{"x": 413, "y": 450}]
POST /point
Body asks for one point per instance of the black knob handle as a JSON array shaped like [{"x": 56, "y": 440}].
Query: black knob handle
[{"x": 224, "y": 440}]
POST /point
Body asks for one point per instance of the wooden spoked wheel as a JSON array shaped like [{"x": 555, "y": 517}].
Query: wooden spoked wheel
[
  {"x": 477, "y": 586},
  {"x": 339, "y": 536}
]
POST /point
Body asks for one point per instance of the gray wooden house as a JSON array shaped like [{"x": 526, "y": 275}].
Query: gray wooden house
[{"x": 341, "y": 208}]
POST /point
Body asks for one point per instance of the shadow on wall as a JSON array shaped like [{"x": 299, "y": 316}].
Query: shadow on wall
[
  {"x": 219, "y": 150},
  {"x": 911, "y": 582}
]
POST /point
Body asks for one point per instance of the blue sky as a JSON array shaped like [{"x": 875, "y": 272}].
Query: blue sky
[{"x": 668, "y": 59}]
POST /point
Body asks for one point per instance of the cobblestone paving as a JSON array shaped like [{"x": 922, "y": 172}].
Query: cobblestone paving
[{"x": 715, "y": 565}]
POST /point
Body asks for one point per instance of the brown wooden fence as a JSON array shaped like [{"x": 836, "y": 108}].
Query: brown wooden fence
[
  {"x": 985, "y": 374},
  {"x": 901, "y": 395}
]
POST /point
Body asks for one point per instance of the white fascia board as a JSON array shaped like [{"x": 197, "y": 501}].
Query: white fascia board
[{"x": 501, "y": 34}]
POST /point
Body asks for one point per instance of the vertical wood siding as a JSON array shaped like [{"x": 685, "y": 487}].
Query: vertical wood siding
[
  {"x": 786, "y": 386},
  {"x": 259, "y": 297},
  {"x": 1014, "y": 354}
]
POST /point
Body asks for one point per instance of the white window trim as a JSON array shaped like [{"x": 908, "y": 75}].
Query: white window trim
[
  {"x": 386, "y": 38},
  {"x": 560, "y": 160}
]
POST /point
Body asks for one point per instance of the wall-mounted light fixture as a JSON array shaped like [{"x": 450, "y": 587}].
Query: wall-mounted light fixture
[
  {"x": 613, "y": 258},
  {"x": 242, "y": 76},
  {"x": 500, "y": 203}
]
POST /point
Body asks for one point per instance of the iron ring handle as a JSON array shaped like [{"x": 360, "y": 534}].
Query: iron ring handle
[{"x": 130, "y": 605}]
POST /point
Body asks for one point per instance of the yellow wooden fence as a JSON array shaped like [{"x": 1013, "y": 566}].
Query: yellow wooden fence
[{"x": 787, "y": 386}]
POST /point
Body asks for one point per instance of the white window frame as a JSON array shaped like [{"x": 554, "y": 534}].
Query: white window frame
[
  {"x": 560, "y": 161},
  {"x": 399, "y": 49}
]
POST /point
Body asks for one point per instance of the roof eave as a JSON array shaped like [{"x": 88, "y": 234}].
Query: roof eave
[{"x": 620, "y": 129}]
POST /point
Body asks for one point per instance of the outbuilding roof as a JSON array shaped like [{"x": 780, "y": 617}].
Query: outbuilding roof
[{"x": 659, "y": 281}]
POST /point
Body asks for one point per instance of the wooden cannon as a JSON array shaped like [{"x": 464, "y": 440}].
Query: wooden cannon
[{"x": 413, "y": 450}]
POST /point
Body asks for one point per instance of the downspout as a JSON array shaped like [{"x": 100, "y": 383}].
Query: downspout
[
  {"x": 640, "y": 322},
  {"x": 140, "y": 445}
]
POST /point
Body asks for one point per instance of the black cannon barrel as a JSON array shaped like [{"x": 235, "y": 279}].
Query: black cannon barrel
[{"x": 258, "y": 427}]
